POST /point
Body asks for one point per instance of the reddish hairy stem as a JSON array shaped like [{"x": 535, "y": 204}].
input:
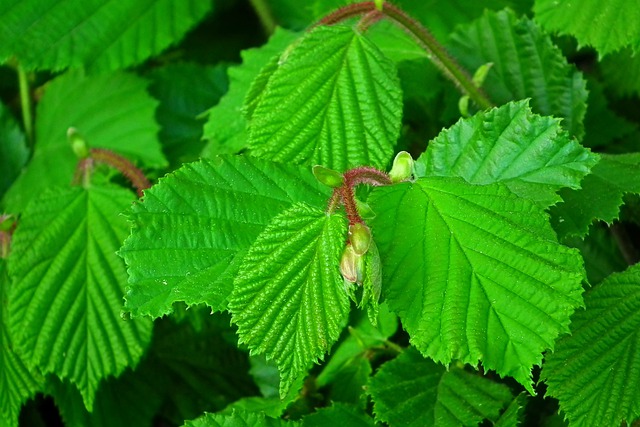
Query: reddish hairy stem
[
  {"x": 346, "y": 12},
  {"x": 349, "y": 202},
  {"x": 128, "y": 169},
  {"x": 366, "y": 175}
]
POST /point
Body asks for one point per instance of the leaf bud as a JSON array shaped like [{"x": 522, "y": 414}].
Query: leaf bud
[
  {"x": 328, "y": 177},
  {"x": 402, "y": 167},
  {"x": 78, "y": 144},
  {"x": 360, "y": 238},
  {"x": 352, "y": 266}
]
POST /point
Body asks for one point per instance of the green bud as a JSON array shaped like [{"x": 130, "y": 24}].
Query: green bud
[
  {"x": 328, "y": 177},
  {"x": 402, "y": 167},
  {"x": 360, "y": 238},
  {"x": 352, "y": 266},
  {"x": 481, "y": 74},
  {"x": 364, "y": 210},
  {"x": 78, "y": 144}
]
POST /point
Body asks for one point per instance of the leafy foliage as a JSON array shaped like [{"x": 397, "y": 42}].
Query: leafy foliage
[
  {"x": 591, "y": 370},
  {"x": 489, "y": 253},
  {"x": 290, "y": 268},
  {"x": 105, "y": 36},
  {"x": 287, "y": 277},
  {"x": 308, "y": 113},
  {"x": 411, "y": 385}
]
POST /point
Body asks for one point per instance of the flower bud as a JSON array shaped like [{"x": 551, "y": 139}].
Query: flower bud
[
  {"x": 352, "y": 266},
  {"x": 78, "y": 144},
  {"x": 402, "y": 167},
  {"x": 328, "y": 177},
  {"x": 360, "y": 238}
]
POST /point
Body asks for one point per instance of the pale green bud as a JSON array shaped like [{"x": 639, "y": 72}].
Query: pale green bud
[
  {"x": 78, "y": 144},
  {"x": 402, "y": 167},
  {"x": 352, "y": 266},
  {"x": 328, "y": 177},
  {"x": 360, "y": 238}
]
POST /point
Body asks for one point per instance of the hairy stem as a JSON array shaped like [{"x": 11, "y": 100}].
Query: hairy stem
[
  {"x": 128, "y": 169},
  {"x": 436, "y": 52},
  {"x": 264, "y": 14},
  {"x": 25, "y": 103}
]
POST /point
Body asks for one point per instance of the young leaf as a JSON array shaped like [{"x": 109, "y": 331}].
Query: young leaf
[
  {"x": 345, "y": 112},
  {"x": 526, "y": 64},
  {"x": 531, "y": 154},
  {"x": 13, "y": 149},
  {"x": 413, "y": 391},
  {"x": 55, "y": 34},
  {"x": 17, "y": 382},
  {"x": 289, "y": 300},
  {"x": 605, "y": 26},
  {"x": 226, "y": 128},
  {"x": 600, "y": 197},
  {"x": 68, "y": 284},
  {"x": 594, "y": 371},
  {"x": 185, "y": 91},
  {"x": 338, "y": 414},
  {"x": 192, "y": 228},
  {"x": 475, "y": 273},
  {"x": 120, "y": 119}
]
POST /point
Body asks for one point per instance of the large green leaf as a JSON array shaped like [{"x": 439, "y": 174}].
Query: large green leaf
[
  {"x": 63, "y": 259},
  {"x": 105, "y": 35},
  {"x": 185, "y": 92},
  {"x": 334, "y": 100},
  {"x": 17, "y": 382},
  {"x": 621, "y": 70},
  {"x": 193, "y": 227},
  {"x": 289, "y": 300},
  {"x": 531, "y": 154},
  {"x": 239, "y": 418},
  {"x": 120, "y": 118},
  {"x": 226, "y": 128},
  {"x": 338, "y": 414},
  {"x": 413, "y": 391},
  {"x": 475, "y": 273},
  {"x": 594, "y": 371},
  {"x": 526, "y": 64},
  {"x": 13, "y": 149},
  {"x": 600, "y": 197},
  {"x": 607, "y": 26}
]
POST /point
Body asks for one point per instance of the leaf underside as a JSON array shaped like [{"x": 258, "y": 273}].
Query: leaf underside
[
  {"x": 193, "y": 227},
  {"x": 594, "y": 371},
  {"x": 55, "y": 34},
  {"x": 413, "y": 391},
  {"x": 530, "y": 154},
  {"x": 526, "y": 64},
  {"x": 475, "y": 273},
  {"x": 334, "y": 100},
  {"x": 63, "y": 258},
  {"x": 289, "y": 300}
]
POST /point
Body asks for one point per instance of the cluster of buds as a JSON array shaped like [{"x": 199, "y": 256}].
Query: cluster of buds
[{"x": 353, "y": 262}]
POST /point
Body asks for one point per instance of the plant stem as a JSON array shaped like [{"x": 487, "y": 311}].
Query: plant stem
[
  {"x": 436, "y": 52},
  {"x": 25, "y": 103},
  {"x": 128, "y": 169},
  {"x": 264, "y": 14}
]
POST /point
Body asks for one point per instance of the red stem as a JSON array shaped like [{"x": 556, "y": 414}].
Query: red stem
[{"x": 128, "y": 169}]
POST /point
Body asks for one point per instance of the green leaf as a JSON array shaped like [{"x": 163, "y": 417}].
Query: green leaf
[
  {"x": 344, "y": 113},
  {"x": 338, "y": 415},
  {"x": 17, "y": 382},
  {"x": 594, "y": 371},
  {"x": 413, "y": 391},
  {"x": 239, "y": 418},
  {"x": 55, "y": 34},
  {"x": 526, "y": 64},
  {"x": 475, "y": 273},
  {"x": 192, "y": 228},
  {"x": 120, "y": 119},
  {"x": 514, "y": 414},
  {"x": 13, "y": 149},
  {"x": 63, "y": 258},
  {"x": 185, "y": 91},
  {"x": 620, "y": 71},
  {"x": 530, "y": 154},
  {"x": 226, "y": 128},
  {"x": 600, "y": 197},
  {"x": 289, "y": 300},
  {"x": 605, "y": 26}
]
